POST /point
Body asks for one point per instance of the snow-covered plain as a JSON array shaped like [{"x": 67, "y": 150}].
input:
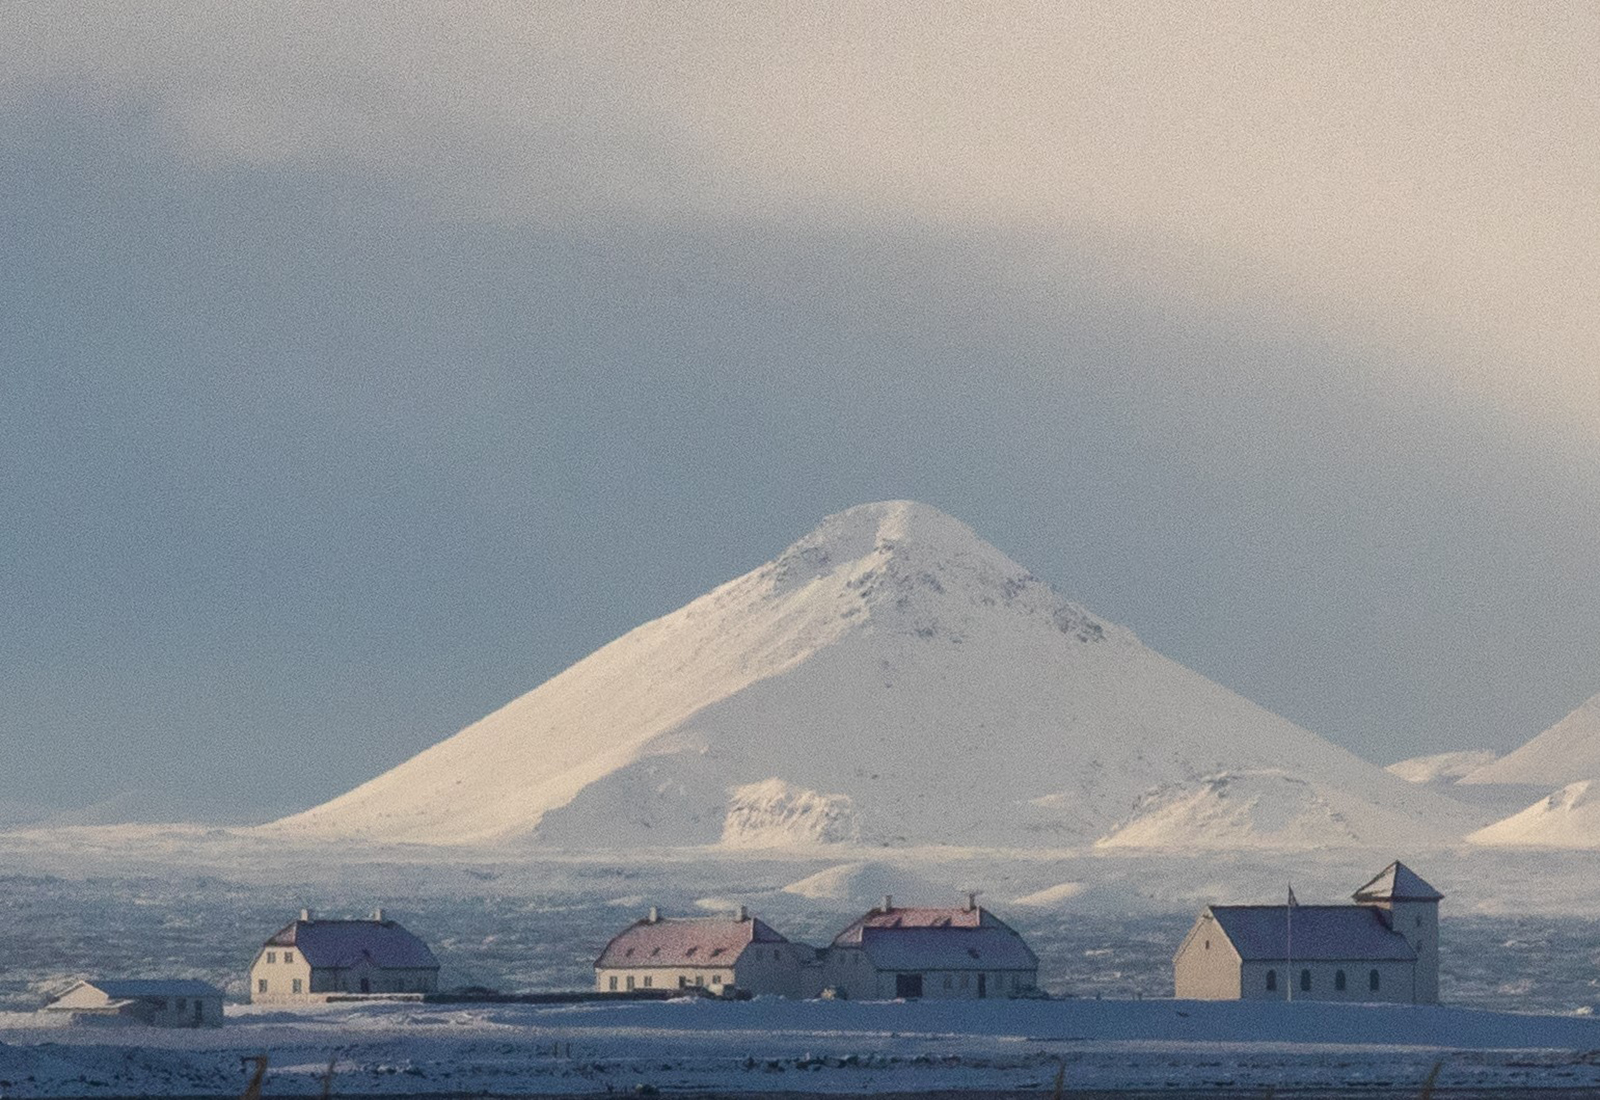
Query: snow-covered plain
[{"x": 770, "y": 1045}]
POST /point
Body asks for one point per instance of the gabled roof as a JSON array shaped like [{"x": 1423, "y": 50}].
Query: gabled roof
[
  {"x": 346, "y": 943},
  {"x": 140, "y": 988},
  {"x": 992, "y": 948},
  {"x": 898, "y": 918},
  {"x": 1332, "y": 933},
  {"x": 1397, "y": 882},
  {"x": 685, "y": 941}
]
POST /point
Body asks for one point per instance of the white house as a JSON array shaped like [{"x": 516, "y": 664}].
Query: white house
[
  {"x": 934, "y": 953},
  {"x": 719, "y": 954},
  {"x": 1385, "y": 947},
  {"x": 156, "y": 1002},
  {"x": 310, "y": 958}
]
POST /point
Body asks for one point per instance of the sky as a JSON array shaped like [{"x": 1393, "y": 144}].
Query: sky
[{"x": 356, "y": 376}]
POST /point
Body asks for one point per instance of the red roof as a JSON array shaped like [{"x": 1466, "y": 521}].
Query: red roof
[
  {"x": 958, "y": 917},
  {"x": 685, "y": 941}
]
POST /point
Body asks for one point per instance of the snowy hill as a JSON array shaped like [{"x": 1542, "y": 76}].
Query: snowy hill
[
  {"x": 1565, "y": 753},
  {"x": 1444, "y": 767},
  {"x": 1569, "y": 818},
  {"x": 890, "y": 679}
]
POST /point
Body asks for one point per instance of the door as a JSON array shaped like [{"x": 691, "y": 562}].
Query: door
[
  {"x": 983, "y": 985},
  {"x": 908, "y": 985},
  {"x": 366, "y": 985}
]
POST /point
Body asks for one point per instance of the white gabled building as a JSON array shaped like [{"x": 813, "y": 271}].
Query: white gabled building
[
  {"x": 156, "y": 1002},
  {"x": 718, "y": 954},
  {"x": 1385, "y": 947},
  {"x": 310, "y": 958},
  {"x": 935, "y": 953}
]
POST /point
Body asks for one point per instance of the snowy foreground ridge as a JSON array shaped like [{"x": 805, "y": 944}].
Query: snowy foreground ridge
[
  {"x": 816, "y": 1046},
  {"x": 890, "y": 679}
]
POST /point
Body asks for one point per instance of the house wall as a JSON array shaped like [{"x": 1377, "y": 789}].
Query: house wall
[
  {"x": 1418, "y": 922},
  {"x": 850, "y": 971},
  {"x": 1395, "y": 981},
  {"x": 1206, "y": 967},
  {"x": 184, "y": 1011},
  {"x": 713, "y": 978},
  {"x": 280, "y": 975},
  {"x": 762, "y": 969}
]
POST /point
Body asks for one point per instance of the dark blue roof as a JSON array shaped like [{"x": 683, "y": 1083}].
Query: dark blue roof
[
  {"x": 1397, "y": 882},
  {"x": 348, "y": 943},
  {"x": 1348, "y": 933}
]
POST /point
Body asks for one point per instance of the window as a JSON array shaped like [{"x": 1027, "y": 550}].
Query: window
[
  {"x": 776, "y": 956},
  {"x": 1272, "y": 980},
  {"x": 965, "y": 978},
  {"x": 1208, "y": 945},
  {"x": 630, "y": 981},
  {"x": 948, "y": 981},
  {"x": 1372, "y": 981},
  {"x": 1305, "y": 981},
  {"x": 288, "y": 956},
  {"x": 161, "y": 1004},
  {"x": 647, "y": 980},
  {"x": 295, "y": 987},
  {"x": 716, "y": 979},
  {"x": 1338, "y": 980},
  {"x": 613, "y": 986},
  {"x": 700, "y": 979},
  {"x": 272, "y": 956},
  {"x": 183, "y": 1003},
  {"x": 261, "y": 985}
]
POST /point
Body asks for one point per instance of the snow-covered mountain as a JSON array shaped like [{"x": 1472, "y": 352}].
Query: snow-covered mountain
[
  {"x": 1442, "y": 768},
  {"x": 1565, "y": 753},
  {"x": 1569, "y": 818},
  {"x": 890, "y": 679}
]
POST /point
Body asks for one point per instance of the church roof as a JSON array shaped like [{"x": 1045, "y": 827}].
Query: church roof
[
  {"x": 1397, "y": 882},
  {"x": 1332, "y": 933}
]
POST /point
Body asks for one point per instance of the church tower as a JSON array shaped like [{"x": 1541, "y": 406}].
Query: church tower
[{"x": 1411, "y": 908}]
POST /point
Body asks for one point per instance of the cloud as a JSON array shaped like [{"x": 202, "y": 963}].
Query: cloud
[{"x": 1414, "y": 177}]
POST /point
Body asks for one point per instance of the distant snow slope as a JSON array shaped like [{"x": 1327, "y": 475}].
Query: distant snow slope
[
  {"x": 890, "y": 679},
  {"x": 1569, "y": 818},
  {"x": 1564, "y": 753},
  {"x": 1444, "y": 767}
]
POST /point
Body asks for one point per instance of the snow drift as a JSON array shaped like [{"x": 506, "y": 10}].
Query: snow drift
[{"x": 890, "y": 679}]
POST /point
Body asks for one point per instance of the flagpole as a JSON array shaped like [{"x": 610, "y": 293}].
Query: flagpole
[{"x": 1288, "y": 922}]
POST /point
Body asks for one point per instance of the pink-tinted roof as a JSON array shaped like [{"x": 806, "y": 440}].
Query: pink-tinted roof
[
  {"x": 685, "y": 941},
  {"x": 957, "y": 917}
]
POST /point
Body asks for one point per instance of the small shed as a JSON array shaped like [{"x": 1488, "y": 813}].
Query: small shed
[{"x": 156, "y": 1002}]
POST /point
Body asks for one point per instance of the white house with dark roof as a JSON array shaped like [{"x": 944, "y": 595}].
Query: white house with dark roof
[
  {"x": 1385, "y": 947},
  {"x": 962, "y": 952},
  {"x": 156, "y": 1002},
  {"x": 718, "y": 954},
  {"x": 311, "y": 958}
]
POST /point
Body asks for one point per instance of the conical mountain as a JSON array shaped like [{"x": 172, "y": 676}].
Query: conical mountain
[
  {"x": 1565, "y": 753},
  {"x": 890, "y": 679}
]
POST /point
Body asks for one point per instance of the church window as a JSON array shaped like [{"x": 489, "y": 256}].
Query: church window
[
  {"x": 1272, "y": 980},
  {"x": 1305, "y": 981},
  {"x": 1372, "y": 981},
  {"x": 1338, "y": 980}
]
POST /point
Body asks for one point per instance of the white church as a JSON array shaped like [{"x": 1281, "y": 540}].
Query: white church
[{"x": 1385, "y": 947}]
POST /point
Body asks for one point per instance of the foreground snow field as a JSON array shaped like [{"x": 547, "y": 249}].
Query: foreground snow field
[{"x": 817, "y": 1046}]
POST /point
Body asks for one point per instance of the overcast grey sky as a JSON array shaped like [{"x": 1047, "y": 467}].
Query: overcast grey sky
[{"x": 356, "y": 377}]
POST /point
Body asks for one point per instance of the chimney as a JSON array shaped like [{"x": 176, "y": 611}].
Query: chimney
[
  {"x": 306, "y": 914},
  {"x": 972, "y": 900},
  {"x": 888, "y": 902},
  {"x": 377, "y": 914},
  {"x": 655, "y": 915},
  {"x": 744, "y": 914}
]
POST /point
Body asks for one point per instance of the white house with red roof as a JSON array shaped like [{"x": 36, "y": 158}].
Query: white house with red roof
[
  {"x": 311, "y": 958},
  {"x": 716, "y": 954},
  {"x": 961, "y": 952},
  {"x": 1385, "y": 947}
]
